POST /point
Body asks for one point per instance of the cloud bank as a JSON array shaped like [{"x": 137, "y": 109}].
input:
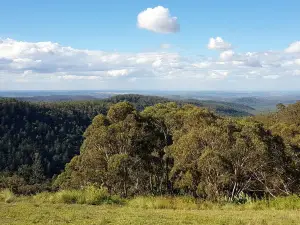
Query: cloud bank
[{"x": 44, "y": 64}]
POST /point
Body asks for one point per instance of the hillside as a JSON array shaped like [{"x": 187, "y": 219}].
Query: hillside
[
  {"x": 265, "y": 104},
  {"x": 142, "y": 101},
  {"x": 285, "y": 123},
  {"x": 37, "y": 139},
  {"x": 43, "y": 136}
]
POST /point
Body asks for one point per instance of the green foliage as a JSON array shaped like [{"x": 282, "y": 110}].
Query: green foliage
[
  {"x": 242, "y": 202},
  {"x": 115, "y": 153},
  {"x": 286, "y": 124},
  {"x": 89, "y": 195},
  {"x": 120, "y": 111},
  {"x": 172, "y": 149},
  {"x": 177, "y": 203},
  {"x": 7, "y": 196},
  {"x": 169, "y": 148},
  {"x": 38, "y": 139}
]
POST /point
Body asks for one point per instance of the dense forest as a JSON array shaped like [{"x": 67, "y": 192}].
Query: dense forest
[
  {"x": 172, "y": 149},
  {"x": 134, "y": 144},
  {"x": 37, "y": 138}
]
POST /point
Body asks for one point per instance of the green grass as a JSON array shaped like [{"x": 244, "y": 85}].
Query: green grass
[
  {"x": 89, "y": 195},
  {"x": 32, "y": 213},
  {"x": 95, "y": 206}
]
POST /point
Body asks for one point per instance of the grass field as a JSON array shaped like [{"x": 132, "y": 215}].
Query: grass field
[
  {"x": 95, "y": 206},
  {"x": 32, "y": 213}
]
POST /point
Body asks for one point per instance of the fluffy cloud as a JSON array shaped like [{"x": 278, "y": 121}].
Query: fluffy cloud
[
  {"x": 293, "y": 48},
  {"x": 218, "y": 44},
  {"x": 226, "y": 55},
  {"x": 50, "y": 64},
  {"x": 158, "y": 20}
]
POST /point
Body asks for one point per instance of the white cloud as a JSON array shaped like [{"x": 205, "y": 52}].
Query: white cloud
[
  {"x": 42, "y": 63},
  {"x": 158, "y": 20},
  {"x": 253, "y": 62},
  {"x": 226, "y": 55},
  {"x": 157, "y": 63},
  {"x": 218, "y": 74},
  {"x": 24, "y": 63},
  {"x": 74, "y": 77},
  {"x": 26, "y": 72},
  {"x": 202, "y": 65},
  {"x": 293, "y": 48},
  {"x": 218, "y": 44},
  {"x": 118, "y": 73}
]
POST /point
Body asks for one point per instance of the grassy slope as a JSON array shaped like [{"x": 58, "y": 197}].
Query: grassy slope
[{"x": 33, "y": 213}]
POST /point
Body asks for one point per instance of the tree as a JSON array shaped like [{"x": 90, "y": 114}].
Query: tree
[
  {"x": 117, "y": 153},
  {"x": 216, "y": 157}
]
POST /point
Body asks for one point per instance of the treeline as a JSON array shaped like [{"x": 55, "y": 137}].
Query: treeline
[{"x": 182, "y": 150}]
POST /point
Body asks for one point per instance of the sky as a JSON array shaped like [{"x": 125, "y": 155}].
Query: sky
[{"x": 150, "y": 45}]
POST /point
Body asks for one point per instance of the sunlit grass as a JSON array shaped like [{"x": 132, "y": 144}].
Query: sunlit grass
[
  {"x": 96, "y": 206},
  {"x": 26, "y": 212},
  {"x": 89, "y": 195}
]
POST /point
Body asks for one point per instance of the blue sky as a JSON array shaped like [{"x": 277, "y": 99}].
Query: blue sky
[{"x": 254, "y": 27}]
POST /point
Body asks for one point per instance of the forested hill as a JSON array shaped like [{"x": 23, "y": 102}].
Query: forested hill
[
  {"x": 285, "y": 123},
  {"x": 37, "y": 139},
  {"x": 142, "y": 101}
]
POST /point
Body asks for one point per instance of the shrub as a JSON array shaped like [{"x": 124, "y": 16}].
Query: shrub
[
  {"x": 89, "y": 195},
  {"x": 7, "y": 196},
  {"x": 150, "y": 202},
  {"x": 279, "y": 203}
]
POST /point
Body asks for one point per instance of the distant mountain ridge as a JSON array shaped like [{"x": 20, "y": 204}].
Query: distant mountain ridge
[{"x": 142, "y": 101}]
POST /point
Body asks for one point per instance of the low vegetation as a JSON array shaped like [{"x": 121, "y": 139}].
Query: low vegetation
[
  {"x": 89, "y": 195},
  {"x": 7, "y": 196},
  {"x": 91, "y": 206}
]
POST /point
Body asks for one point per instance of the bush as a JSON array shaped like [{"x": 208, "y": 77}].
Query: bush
[
  {"x": 89, "y": 195},
  {"x": 189, "y": 203},
  {"x": 7, "y": 196},
  {"x": 165, "y": 203},
  {"x": 279, "y": 203}
]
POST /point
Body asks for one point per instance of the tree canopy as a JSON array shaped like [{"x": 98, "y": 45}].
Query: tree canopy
[
  {"x": 173, "y": 149},
  {"x": 141, "y": 147}
]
